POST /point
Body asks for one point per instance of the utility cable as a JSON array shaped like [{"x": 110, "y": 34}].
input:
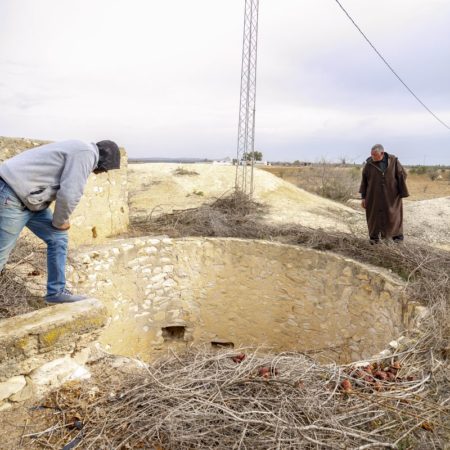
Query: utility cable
[{"x": 390, "y": 67}]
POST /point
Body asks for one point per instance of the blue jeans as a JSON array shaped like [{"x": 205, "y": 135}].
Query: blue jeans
[{"x": 14, "y": 217}]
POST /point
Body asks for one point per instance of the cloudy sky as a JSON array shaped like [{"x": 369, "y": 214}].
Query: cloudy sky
[{"x": 161, "y": 77}]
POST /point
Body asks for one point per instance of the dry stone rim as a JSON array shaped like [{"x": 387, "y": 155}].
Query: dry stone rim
[
  {"x": 266, "y": 293},
  {"x": 103, "y": 251}
]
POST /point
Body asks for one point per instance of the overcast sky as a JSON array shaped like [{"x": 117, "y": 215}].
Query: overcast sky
[{"x": 161, "y": 77}]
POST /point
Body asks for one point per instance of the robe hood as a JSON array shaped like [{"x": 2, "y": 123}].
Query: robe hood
[{"x": 109, "y": 156}]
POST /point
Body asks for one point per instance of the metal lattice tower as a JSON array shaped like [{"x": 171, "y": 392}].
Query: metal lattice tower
[{"x": 246, "y": 129}]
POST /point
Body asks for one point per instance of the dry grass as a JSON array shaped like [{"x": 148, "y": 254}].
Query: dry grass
[
  {"x": 339, "y": 183},
  {"x": 249, "y": 399},
  {"x": 343, "y": 181},
  {"x": 421, "y": 187}
]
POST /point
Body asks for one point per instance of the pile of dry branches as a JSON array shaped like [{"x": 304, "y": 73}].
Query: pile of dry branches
[
  {"x": 15, "y": 298},
  {"x": 252, "y": 400},
  {"x": 229, "y": 216}
]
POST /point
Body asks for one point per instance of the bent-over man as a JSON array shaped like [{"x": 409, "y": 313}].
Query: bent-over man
[
  {"x": 382, "y": 188},
  {"x": 31, "y": 181}
]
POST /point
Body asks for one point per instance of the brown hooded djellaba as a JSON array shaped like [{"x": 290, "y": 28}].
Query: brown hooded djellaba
[{"x": 383, "y": 192}]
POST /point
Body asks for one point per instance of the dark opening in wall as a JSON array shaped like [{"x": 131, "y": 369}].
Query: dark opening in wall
[
  {"x": 175, "y": 333},
  {"x": 94, "y": 232},
  {"x": 222, "y": 344}
]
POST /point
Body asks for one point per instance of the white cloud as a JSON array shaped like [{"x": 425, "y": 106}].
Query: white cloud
[{"x": 163, "y": 77}]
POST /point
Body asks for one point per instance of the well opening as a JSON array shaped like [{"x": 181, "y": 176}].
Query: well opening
[
  {"x": 173, "y": 333},
  {"x": 231, "y": 292}
]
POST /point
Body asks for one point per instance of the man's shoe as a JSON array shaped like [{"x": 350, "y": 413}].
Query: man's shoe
[{"x": 64, "y": 296}]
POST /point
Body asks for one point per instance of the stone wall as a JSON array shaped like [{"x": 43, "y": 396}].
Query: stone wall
[
  {"x": 164, "y": 293},
  {"x": 103, "y": 209},
  {"x": 157, "y": 293},
  {"x": 45, "y": 348}
]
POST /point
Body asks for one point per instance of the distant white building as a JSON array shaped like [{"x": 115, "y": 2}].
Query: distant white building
[{"x": 224, "y": 162}]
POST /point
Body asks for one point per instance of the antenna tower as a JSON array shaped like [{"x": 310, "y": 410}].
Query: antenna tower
[{"x": 246, "y": 128}]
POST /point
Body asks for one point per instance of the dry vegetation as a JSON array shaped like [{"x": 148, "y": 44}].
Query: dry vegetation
[
  {"x": 229, "y": 216},
  {"x": 245, "y": 399},
  {"x": 421, "y": 187},
  {"x": 335, "y": 182},
  {"x": 253, "y": 400},
  {"x": 180, "y": 171},
  {"x": 341, "y": 183},
  {"x": 15, "y": 298}
]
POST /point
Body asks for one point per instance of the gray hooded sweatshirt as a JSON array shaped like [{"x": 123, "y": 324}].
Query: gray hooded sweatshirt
[{"x": 57, "y": 171}]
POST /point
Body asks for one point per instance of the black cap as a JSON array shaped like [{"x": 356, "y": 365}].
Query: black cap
[{"x": 109, "y": 156}]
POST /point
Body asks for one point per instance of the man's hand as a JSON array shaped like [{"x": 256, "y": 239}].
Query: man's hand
[
  {"x": 363, "y": 203},
  {"x": 63, "y": 227}
]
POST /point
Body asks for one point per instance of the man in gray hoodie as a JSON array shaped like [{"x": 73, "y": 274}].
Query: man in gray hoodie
[{"x": 31, "y": 181}]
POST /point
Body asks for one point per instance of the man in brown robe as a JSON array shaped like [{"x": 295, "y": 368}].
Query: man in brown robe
[{"x": 382, "y": 188}]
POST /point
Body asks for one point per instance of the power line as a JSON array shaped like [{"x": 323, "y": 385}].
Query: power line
[{"x": 390, "y": 67}]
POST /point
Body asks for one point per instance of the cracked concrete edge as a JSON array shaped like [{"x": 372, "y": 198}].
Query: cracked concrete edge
[{"x": 32, "y": 339}]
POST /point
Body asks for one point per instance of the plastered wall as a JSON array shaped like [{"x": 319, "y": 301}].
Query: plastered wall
[
  {"x": 103, "y": 209},
  {"x": 161, "y": 292}
]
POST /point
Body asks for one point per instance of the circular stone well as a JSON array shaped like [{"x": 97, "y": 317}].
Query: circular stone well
[{"x": 164, "y": 293}]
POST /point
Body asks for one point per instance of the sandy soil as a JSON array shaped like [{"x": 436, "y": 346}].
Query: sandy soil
[{"x": 429, "y": 220}]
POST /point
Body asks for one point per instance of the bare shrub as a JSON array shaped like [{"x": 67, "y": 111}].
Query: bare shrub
[
  {"x": 336, "y": 182},
  {"x": 433, "y": 174},
  {"x": 180, "y": 171},
  {"x": 418, "y": 170}
]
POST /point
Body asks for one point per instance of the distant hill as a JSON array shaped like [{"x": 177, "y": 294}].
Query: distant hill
[{"x": 168, "y": 160}]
